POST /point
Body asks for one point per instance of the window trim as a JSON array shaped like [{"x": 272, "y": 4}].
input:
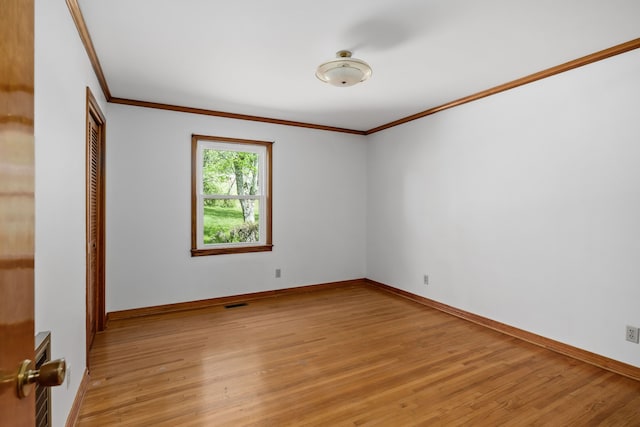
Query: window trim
[{"x": 267, "y": 187}]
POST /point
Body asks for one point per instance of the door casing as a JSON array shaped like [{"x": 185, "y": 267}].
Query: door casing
[{"x": 95, "y": 208}]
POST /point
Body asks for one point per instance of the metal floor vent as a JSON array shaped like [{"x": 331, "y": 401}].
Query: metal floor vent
[{"x": 239, "y": 304}]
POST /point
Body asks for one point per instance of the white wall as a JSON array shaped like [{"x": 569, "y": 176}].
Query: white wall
[
  {"x": 319, "y": 198},
  {"x": 62, "y": 73},
  {"x": 523, "y": 207}
]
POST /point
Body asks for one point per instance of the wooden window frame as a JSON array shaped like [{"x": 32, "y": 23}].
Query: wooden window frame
[{"x": 196, "y": 216}]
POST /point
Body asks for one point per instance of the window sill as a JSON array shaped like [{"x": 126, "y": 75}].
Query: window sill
[{"x": 231, "y": 250}]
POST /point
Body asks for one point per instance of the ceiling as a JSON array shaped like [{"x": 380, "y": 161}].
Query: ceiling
[{"x": 259, "y": 57}]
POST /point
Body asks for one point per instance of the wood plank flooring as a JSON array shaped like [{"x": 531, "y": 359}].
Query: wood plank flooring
[{"x": 340, "y": 357}]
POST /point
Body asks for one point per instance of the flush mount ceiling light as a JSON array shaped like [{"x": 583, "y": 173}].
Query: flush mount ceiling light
[{"x": 344, "y": 70}]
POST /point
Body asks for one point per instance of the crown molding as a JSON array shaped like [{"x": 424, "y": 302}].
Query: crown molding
[
  {"x": 206, "y": 112},
  {"x": 585, "y": 60},
  {"x": 83, "y": 31},
  {"x": 78, "y": 19}
]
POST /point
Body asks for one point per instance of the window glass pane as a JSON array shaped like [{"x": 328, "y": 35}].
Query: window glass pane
[
  {"x": 231, "y": 221},
  {"x": 230, "y": 172}
]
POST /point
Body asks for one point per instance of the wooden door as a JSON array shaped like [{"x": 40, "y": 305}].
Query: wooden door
[
  {"x": 95, "y": 220},
  {"x": 16, "y": 206}
]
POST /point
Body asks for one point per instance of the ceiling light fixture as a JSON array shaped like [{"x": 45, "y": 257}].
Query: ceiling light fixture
[{"x": 344, "y": 70}]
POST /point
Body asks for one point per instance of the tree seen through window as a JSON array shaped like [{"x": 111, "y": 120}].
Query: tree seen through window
[{"x": 226, "y": 174}]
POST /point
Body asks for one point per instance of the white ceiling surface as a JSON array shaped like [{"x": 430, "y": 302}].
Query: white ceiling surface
[{"x": 259, "y": 57}]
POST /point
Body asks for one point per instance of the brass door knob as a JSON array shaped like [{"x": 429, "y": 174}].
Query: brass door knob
[{"x": 50, "y": 374}]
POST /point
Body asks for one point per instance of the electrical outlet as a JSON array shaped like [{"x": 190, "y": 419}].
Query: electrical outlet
[
  {"x": 632, "y": 334},
  {"x": 278, "y": 273},
  {"x": 426, "y": 280}
]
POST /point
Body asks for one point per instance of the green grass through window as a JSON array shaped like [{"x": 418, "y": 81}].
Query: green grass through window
[{"x": 220, "y": 220}]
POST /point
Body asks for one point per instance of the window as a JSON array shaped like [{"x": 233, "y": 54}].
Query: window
[{"x": 230, "y": 195}]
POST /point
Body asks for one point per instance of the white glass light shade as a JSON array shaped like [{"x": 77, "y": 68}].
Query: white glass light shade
[{"x": 343, "y": 71}]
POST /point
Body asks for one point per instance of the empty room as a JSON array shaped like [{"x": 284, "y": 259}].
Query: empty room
[{"x": 390, "y": 213}]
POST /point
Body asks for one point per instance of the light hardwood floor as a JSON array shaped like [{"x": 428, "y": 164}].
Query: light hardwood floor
[{"x": 340, "y": 357}]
